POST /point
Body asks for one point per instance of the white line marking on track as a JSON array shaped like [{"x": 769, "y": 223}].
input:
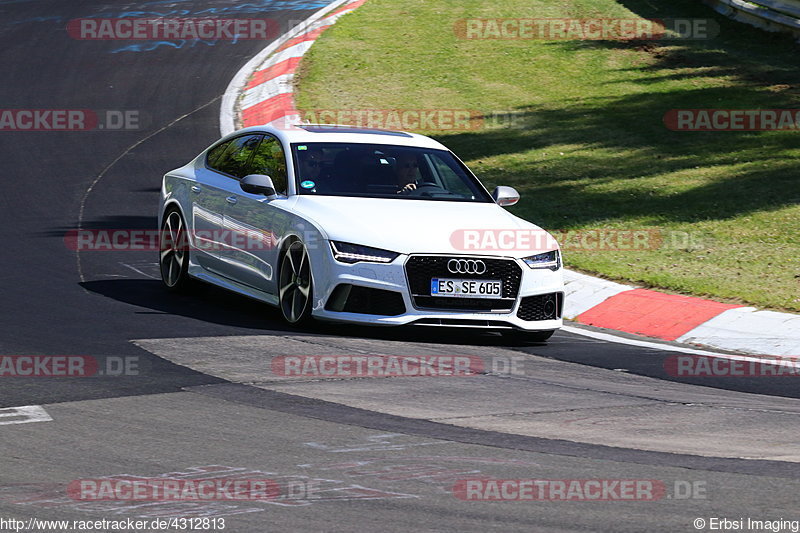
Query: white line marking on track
[
  {"x": 100, "y": 176},
  {"x": 635, "y": 342},
  {"x": 768, "y": 359},
  {"x": 24, "y": 415},
  {"x": 139, "y": 271}
]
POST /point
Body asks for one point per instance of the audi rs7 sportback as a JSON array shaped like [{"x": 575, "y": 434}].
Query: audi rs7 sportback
[{"x": 356, "y": 225}]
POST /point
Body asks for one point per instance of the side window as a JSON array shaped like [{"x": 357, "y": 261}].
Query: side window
[
  {"x": 235, "y": 158},
  {"x": 269, "y": 160},
  {"x": 215, "y": 152}
]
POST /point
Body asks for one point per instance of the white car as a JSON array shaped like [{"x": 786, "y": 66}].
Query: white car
[{"x": 354, "y": 225}]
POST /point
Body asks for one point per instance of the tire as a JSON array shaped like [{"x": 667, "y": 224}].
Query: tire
[
  {"x": 174, "y": 252},
  {"x": 295, "y": 285}
]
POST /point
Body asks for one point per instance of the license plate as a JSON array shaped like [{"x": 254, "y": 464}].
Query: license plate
[{"x": 467, "y": 288}]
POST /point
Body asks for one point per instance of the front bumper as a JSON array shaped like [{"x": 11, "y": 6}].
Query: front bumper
[{"x": 392, "y": 277}]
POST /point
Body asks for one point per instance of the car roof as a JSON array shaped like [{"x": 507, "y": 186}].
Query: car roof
[{"x": 339, "y": 133}]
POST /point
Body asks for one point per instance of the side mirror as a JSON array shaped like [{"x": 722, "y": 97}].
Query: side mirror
[
  {"x": 258, "y": 184},
  {"x": 505, "y": 196}
]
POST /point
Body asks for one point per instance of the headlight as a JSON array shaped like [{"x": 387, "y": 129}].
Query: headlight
[
  {"x": 353, "y": 253},
  {"x": 545, "y": 260}
]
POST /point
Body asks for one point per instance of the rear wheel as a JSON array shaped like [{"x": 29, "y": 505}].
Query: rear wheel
[
  {"x": 295, "y": 284},
  {"x": 174, "y": 252}
]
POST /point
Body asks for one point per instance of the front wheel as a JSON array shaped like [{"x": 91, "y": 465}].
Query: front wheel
[{"x": 296, "y": 286}]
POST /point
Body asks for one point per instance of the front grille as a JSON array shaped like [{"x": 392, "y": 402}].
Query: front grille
[
  {"x": 357, "y": 299},
  {"x": 541, "y": 307},
  {"x": 420, "y": 269}
]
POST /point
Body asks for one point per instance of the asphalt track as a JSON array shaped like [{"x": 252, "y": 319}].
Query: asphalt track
[{"x": 174, "y": 416}]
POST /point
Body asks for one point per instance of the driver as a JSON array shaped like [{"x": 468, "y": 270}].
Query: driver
[{"x": 406, "y": 172}]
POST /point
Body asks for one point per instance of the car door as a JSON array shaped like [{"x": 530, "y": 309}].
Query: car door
[
  {"x": 259, "y": 221},
  {"x": 215, "y": 188}
]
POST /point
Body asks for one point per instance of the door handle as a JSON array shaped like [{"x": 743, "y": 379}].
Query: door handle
[
  {"x": 231, "y": 199},
  {"x": 195, "y": 188}
]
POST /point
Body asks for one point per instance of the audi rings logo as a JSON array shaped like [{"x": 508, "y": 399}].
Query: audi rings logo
[{"x": 466, "y": 266}]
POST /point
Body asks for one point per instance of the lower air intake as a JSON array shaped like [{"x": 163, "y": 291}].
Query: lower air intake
[
  {"x": 356, "y": 299},
  {"x": 541, "y": 307}
]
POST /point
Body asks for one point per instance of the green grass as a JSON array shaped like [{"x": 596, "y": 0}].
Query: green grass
[{"x": 588, "y": 148}]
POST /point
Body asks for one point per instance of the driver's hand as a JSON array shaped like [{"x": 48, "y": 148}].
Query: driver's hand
[{"x": 409, "y": 187}]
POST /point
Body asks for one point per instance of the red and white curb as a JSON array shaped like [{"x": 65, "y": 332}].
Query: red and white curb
[
  {"x": 262, "y": 92},
  {"x": 605, "y": 304}
]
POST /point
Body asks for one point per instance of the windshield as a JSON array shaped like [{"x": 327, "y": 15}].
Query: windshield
[{"x": 383, "y": 171}]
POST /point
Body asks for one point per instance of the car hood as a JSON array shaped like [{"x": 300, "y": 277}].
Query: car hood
[{"x": 413, "y": 226}]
